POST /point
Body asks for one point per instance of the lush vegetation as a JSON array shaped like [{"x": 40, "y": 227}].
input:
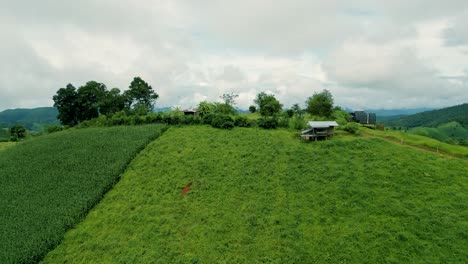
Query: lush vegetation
[
  {"x": 31, "y": 119},
  {"x": 49, "y": 183},
  {"x": 433, "y": 118},
  {"x": 264, "y": 196},
  {"x": 452, "y": 132},
  {"x": 93, "y": 99}
]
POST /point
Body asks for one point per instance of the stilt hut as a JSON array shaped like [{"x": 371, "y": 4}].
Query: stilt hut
[{"x": 319, "y": 130}]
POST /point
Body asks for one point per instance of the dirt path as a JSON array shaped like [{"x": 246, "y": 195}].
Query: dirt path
[{"x": 415, "y": 147}]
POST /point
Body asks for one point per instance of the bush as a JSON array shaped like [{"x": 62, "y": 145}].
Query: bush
[
  {"x": 267, "y": 122},
  {"x": 351, "y": 127},
  {"x": 54, "y": 128},
  {"x": 242, "y": 121},
  {"x": 297, "y": 123},
  {"x": 283, "y": 122},
  {"x": 222, "y": 121}
]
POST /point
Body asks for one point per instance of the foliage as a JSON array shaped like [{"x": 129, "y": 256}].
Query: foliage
[
  {"x": 268, "y": 122},
  {"x": 53, "y": 128},
  {"x": 48, "y": 184},
  {"x": 298, "y": 123},
  {"x": 66, "y": 102},
  {"x": 222, "y": 121},
  {"x": 17, "y": 132},
  {"x": 267, "y": 104},
  {"x": 452, "y": 132},
  {"x": 205, "y": 108},
  {"x": 351, "y": 127},
  {"x": 93, "y": 99},
  {"x": 264, "y": 196},
  {"x": 140, "y": 96},
  {"x": 229, "y": 98},
  {"x": 320, "y": 104},
  {"x": 252, "y": 109},
  {"x": 242, "y": 121},
  {"x": 224, "y": 109}
]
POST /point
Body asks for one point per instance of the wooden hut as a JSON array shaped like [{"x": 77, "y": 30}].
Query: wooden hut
[{"x": 319, "y": 130}]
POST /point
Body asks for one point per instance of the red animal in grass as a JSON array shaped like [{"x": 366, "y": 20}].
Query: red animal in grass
[{"x": 186, "y": 189}]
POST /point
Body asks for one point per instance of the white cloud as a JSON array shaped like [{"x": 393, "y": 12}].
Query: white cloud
[{"x": 403, "y": 53}]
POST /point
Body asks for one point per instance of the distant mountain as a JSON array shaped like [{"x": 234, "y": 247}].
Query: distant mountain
[
  {"x": 433, "y": 118},
  {"x": 29, "y": 118},
  {"x": 397, "y": 112}
]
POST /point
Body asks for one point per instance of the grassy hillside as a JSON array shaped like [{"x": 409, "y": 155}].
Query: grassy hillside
[
  {"x": 49, "y": 183},
  {"x": 433, "y": 118},
  {"x": 5, "y": 145},
  {"x": 418, "y": 141},
  {"x": 264, "y": 196},
  {"x": 30, "y": 118},
  {"x": 452, "y": 132}
]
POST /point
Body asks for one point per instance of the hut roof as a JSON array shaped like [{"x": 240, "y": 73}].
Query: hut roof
[{"x": 322, "y": 124}]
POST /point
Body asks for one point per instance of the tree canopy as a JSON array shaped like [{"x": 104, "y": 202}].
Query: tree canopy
[
  {"x": 320, "y": 104},
  {"x": 93, "y": 99},
  {"x": 267, "y": 104}
]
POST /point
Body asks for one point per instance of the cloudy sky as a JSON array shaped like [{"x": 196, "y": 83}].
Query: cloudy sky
[{"x": 369, "y": 53}]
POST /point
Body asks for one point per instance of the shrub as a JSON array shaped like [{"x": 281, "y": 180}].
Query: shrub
[
  {"x": 351, "y": 127},
  {"x": 54, "y": 128},
  {"x": 222, "y": 121},
  {"x": 242, "y": 121},
  {"x": 267, "y": 122},
  {"x": 297, "y": 123}
]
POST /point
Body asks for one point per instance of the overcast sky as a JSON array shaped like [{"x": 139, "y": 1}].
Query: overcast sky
[{"x": 369, "y": 53}]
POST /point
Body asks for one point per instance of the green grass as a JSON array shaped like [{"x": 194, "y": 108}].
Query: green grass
[
  {"x": 452, "y": 131},
  {"x": 419, "y": 141},
  {"x": 49, "y": 183},
  {"x": 265, "y": 196},
  {"x": 5, "y": 145}
]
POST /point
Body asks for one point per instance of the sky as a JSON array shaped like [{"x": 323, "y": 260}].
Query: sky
[{"x": 368, "y": 54}]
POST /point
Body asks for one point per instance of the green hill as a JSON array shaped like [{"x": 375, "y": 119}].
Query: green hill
[
  {"x": 264, "y": 196},
  {"x": 433, "y": 118},
  {"x": 30, "y": 118}
]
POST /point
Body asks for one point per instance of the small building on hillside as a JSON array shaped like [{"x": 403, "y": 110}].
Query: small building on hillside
[
  {"x": 190, "y": 112},
  {"x": 364, "y": 118},
  {"x": 319, "y": 130}
]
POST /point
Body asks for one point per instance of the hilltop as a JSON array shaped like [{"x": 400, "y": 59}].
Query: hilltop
[{"x": 259, "y": 195}]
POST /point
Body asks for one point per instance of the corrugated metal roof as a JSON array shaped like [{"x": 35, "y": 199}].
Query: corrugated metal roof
[{"x": 322, "y": 124}]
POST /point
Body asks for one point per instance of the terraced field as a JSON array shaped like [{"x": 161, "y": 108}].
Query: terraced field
[{"x": 263, "y": 196}]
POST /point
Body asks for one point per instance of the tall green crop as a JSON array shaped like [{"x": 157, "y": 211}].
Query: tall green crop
[{"x": 48, "y": 184}]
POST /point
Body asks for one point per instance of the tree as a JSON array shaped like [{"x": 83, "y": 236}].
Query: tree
[
  {"x": 229, "y": 98},
  {"x": 267, "y": 104},
  {"x": 297, "y": 110},
  {"x": 140, "y": 96},
  {"x": 205, "y": 108},
  {"x": 17, "y": 132},
  {"x": 252, "y": 109},
  {"x": 89, "y": 99},
  {"x": 112, "y": 102},
  {"x": 320, "y": 104},
  {"x": 66, "y": 103}
]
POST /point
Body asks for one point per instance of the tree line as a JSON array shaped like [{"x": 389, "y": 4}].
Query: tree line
[
  {"x": 93, "y": 101},
  {"x": 76, "y": 105}
]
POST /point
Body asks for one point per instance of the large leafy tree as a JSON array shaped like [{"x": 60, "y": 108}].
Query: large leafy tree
[
  {"x": 140, "y": 97},
  {"x": 267, "y": 104},
  {"x": 67, "y": 105},
  {"x": 89, "y": 100},
  {"x": 112, "y": 102},
  {"x": 320, "y": 104}
]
